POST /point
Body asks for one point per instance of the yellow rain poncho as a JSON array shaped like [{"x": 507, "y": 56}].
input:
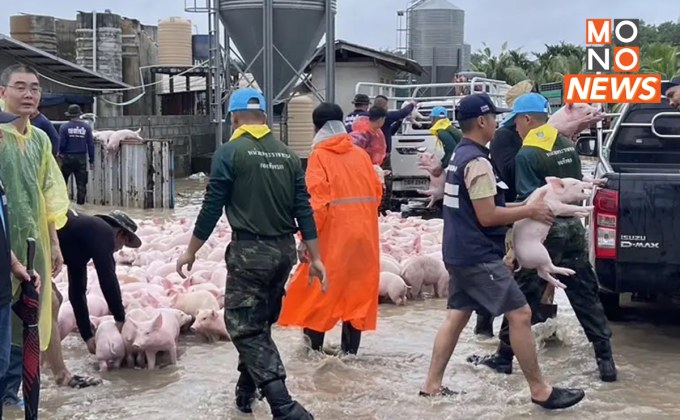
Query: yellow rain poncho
[{"x": 36, "y": 196}]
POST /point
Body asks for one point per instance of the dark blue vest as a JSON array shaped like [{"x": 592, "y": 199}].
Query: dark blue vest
[{"x": 466, "y": 242}]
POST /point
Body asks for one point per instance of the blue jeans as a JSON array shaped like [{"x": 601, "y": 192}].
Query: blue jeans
[
  {"x": 10, "y": 373},
  {"x": 5, "y": 337},
  {"x": 11, "y": 380}
]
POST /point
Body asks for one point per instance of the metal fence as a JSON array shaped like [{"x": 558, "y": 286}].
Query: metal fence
[{"x": 138, "y": 175}]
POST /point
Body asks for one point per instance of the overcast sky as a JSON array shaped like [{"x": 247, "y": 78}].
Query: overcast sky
[{"x": 522, "y": 23}]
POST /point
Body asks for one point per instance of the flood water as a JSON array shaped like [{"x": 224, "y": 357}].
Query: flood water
[{"x": 383, "y": 381}]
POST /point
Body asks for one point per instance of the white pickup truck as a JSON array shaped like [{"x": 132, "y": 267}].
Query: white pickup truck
[{"x": 411, "y": 140}]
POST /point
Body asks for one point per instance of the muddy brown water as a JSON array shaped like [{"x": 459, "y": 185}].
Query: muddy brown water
[{"x": 382, "y": 382}]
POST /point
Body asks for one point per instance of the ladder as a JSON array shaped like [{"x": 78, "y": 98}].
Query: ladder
[{"x": 214, "y": 76}]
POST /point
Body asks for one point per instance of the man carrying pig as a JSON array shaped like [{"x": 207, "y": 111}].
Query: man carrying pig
[
  {"x": 475, "y": 220},
  {"x": 260, "y": 183},
  {"x": 343, "y": 186},
  {"x": 546, "y": 153}
]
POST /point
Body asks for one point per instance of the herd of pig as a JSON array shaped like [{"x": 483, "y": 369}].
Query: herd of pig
[{"x": 160, "y": 304}]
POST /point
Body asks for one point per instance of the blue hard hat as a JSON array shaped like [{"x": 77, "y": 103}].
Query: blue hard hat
[
  {"x": 438, "y": 112},
  {"x": 241, "y": 100},
  {"x": 529, "y": 103}
]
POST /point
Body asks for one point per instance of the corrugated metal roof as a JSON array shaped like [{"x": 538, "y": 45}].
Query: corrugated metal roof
[
  {"x": 385, "y": 58},
  {"x": 57, "y": 68},
  {"x": 436, "y": 4}
]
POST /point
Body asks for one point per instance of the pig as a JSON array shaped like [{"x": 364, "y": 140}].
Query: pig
[
  {"x": 110, "y": 347},
  {"x": 390, "y": 265},
  {"x": 429, "y": 162},
  {"x": 129, "y": 333},
  {"x": 120, "y": 135},
  {"x": 415, "y": 116},
  {"x": 571, "y": 119},
  {"x": 190, "y": 303},
  {"x": 158, "y": 334},
  {"x": 102, "y": 136},
  {"x": 528, "y": 234},
  {"x": 423, "y": 270},
  {"x": 210, "y": 325},
  {"x": 393, "y": 287}
]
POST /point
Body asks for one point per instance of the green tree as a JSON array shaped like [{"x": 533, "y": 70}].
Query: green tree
[{"x": 660, "y": 58}]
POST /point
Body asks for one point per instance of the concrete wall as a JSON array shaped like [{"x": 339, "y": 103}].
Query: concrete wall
[
  {"x": 347, "y": 75},
  {"x": 192, "y": 135}
]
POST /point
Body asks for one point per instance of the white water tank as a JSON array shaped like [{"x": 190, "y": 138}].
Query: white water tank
[
  {"x": 300, "y": 124},
  {"x": 174, "y": 42}
]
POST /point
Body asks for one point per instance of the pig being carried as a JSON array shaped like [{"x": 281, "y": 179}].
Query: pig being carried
[
  {"x": 571, "y": 119},
  {"x": 528, "y": 234}
]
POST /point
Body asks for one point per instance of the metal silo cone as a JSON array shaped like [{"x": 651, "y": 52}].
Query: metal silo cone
[{"x": 298, "y": 27}]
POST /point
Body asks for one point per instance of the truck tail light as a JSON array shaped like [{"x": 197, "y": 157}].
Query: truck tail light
[{"x": 605, "y": 217}]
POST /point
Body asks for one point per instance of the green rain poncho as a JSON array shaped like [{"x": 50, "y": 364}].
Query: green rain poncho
[{"x": 36, "y": 196}]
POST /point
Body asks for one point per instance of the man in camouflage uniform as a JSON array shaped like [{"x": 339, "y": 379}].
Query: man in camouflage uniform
[
  {"x": 260, "y": 182},
  {"x": 544, "y": 153}
]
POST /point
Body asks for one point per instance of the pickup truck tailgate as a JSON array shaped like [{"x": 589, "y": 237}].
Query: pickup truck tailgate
[{"x": 649, "y": 218}]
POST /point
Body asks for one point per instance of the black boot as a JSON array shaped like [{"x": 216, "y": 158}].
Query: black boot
[
  {"x": 245, "y": 393},
  {"x": 501, "y": 361},
  {"x": 484, "y": 325},
  {"x": 282, "y": 405},
  {"x": 605, "y": 360}
]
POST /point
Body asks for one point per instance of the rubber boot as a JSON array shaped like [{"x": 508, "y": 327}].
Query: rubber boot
[
  {"x": 282, "y": 405},
  {"x": 605, "y": 361},
  {"x": 484, "y": 326},
  {"x": 501, "y": 361},
  {"x": 245, "y": 393}
]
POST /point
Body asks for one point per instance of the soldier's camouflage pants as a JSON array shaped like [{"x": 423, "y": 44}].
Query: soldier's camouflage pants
[
  {"x": 568, "y": 248},
  {"x": 257, "y": 273}
]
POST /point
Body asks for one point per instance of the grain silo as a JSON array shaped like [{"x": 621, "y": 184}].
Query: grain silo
[
  {"x": 174, "y": 42},
  {"x": 36, "y": 31},
  {"x": 436, "y": 31}
]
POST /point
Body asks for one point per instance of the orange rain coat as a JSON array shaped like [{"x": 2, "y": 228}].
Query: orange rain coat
[{"x": 345, "y": 194}]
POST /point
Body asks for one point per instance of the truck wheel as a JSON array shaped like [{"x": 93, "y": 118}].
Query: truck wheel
[{"x": 611, "y": 304}]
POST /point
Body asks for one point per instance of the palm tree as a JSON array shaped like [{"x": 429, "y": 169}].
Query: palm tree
[
  {"x": 499, "y": 67},
  {"x": 661, "y": 59}
]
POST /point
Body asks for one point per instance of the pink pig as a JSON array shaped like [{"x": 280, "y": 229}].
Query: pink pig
[
  {"x": 159, "y": 334},
  {"x": 109, "y": 345},
  {"x": 190, "y": 303},
  {"x": 423, "y": 270},
  {"x": 528, "y": 234},
  {"x": 571, "y": 119},
  {"x": 210, "y": 324},
  {"x": 393, "y": 286},
  {"x": 429, "y": 162},
  {"x": 129, "y": 333}
]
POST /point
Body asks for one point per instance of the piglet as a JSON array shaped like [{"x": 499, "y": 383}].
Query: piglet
[
  {"x": 190, "y": 303},
  {"x": 120, "y": 135},
  {"x": 159, "y": 334},
  {"x": 210, "y": 325},
  {"x": 109, "y": 345},
  {"x": 423, "y": 270},
  {"x": 429, "y": 162},
  {"x": 571, "y": 119},
  {"x": 528, "y": 234},
  {"x": 129, "y": 332},
  {"x": 393, "y": 287}
]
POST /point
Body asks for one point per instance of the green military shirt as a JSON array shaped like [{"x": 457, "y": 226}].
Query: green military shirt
[
  {"x": 544, "y": 153},
  {"x": 261, "y": 183},
  {"x": 449, "y": 136}
]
